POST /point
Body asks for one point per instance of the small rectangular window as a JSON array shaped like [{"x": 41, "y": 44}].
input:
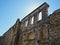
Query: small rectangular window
[
  {"x": 32, "y": 20},
  {"x": 40, "y": 16},
  {"x": 26, "y": 23}
]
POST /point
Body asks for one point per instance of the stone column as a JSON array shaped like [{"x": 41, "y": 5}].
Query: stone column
[{"x": 44, "y": 12}]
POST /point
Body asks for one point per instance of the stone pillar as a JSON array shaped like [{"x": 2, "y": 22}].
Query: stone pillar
[{"x": 44, "y": 12}]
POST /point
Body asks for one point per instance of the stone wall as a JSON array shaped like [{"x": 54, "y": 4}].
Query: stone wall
[
  {"x": 34, "y": 31},
  {"x": 1, "y": 40},
  {"x": 31, "y": 32},
  {"x": 11, "y": 35},
  {"x": 55, "y": 28}
]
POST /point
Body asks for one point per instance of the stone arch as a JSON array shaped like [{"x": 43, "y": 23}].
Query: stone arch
[{"x": 31, "y": 35}]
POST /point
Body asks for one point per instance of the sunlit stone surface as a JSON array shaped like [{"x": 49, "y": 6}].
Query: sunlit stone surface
[{"x": 35, "y": 31}]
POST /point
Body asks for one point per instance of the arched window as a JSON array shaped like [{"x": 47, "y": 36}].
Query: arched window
[
  {"x": 31, "y": 35},
  {"x": 44, "y": 32},
  {"x": 32, "y": 20},
  {"x": 40, "y": 16},
  {"x": 26, "y": 23}
]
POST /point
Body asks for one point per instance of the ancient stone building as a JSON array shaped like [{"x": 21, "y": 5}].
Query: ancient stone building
[{"x": 37, "y": 28}]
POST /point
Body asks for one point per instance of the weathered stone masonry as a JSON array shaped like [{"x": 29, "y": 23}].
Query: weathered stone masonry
[{"x": 37, "y": 28}]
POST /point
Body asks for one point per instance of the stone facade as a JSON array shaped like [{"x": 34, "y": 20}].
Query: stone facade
[
  {"x": 12, "y": 34},
  {"x": 1, "y": 40},
  {"x": 37, "y": 28}
]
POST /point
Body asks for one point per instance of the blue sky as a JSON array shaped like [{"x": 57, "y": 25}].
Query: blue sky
[{"x": 10, "y": 10}]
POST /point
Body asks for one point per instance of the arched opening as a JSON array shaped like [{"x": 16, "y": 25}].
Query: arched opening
[
  {"x": 40, "y": 16},
  {"x": 32, "y": 20},
  {"x": 31, "y": 35}
]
